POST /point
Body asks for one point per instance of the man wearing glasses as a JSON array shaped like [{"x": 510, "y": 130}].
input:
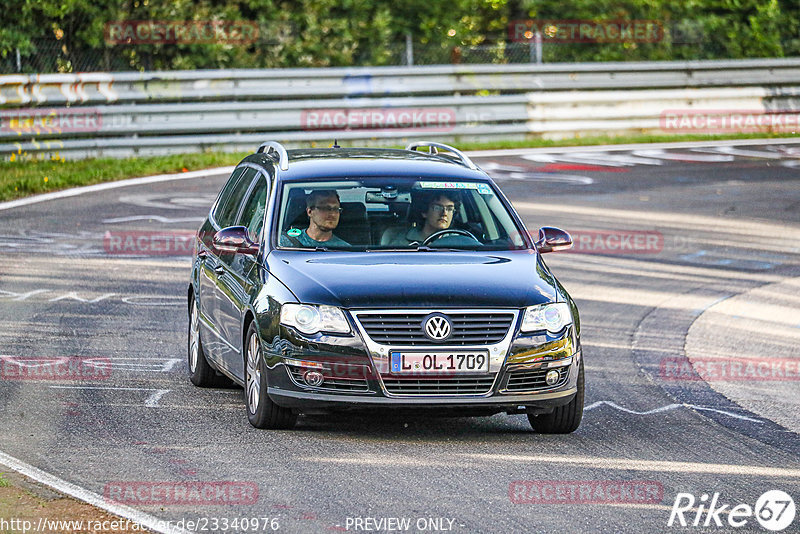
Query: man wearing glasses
[
  {"x": 437, "y": 215},
  {"x": 323, "y": 209}
]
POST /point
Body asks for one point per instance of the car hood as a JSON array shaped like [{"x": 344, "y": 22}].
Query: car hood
[{"x": 507, "y": 279}]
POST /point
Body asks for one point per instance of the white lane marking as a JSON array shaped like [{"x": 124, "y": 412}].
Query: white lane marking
[
  {"x": 146, "y": 365},
  {"x": 494, "y": 166},
  {"x": 168, "y": 201},
  {"x": 167, "y": 300},
  {"x": 702, "y": 257},
  {"x": 134, "y": 300},
  {"x": 583, "y": 159},
  {"x": 74, "y": 296},
  {"x": 593, "y": 158},
  {"x": 741, "y": 152},
  {"x": 150, "y": 402},
  {"x": 632, "y": 146},
  {"x": 548, "y": 177},
  {"x": 21, "y": 296},
  {"x": 642, "y": 465},
  {"x": 667, "y": 408},
  {"x": 169, "y": 365},
  {"x": 114, "y": 185},
  {"x": 511, "y": 172},
  {"x": 684, "y": 156},
  {"x": 662, "y": 466},
  {"x": 89, "y": 497},
  {"x": 157, "y": 218}
]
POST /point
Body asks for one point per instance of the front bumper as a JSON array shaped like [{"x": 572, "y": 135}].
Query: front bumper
[
  {"x": 286, "y": 388},
  {"x": 356, "y": 375}
]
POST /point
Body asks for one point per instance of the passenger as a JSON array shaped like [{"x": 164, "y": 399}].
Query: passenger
[
  {"x": 437, "y": 214},
  {"x": 323, "y": 209}
]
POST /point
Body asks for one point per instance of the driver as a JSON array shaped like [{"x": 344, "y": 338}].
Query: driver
[{"x": 437, "y": 215}]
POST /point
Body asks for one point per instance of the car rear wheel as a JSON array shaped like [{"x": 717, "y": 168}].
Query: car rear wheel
[
  {"x": 563, "y": 419},
  {"x": 200, "y": 372},
  {"x": 261, "y": 411}
]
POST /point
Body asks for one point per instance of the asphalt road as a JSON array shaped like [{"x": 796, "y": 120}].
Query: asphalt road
[{"x": 681, "y": 255}]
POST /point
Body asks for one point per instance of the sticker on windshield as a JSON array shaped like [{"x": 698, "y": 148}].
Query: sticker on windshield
[
  {"x": 294, "y": 232},
  {"x": 482, "y": 188}
]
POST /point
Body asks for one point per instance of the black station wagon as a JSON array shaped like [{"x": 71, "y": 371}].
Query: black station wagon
[{"x": 336, "y": 279}]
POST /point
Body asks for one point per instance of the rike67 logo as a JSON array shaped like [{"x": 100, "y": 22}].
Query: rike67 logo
[{"x": 774, "y": 511}]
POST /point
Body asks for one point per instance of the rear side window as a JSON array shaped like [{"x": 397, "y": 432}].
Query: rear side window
[
  {"x": 232, "y": 196},
  {"x": 252, "y": 215}
]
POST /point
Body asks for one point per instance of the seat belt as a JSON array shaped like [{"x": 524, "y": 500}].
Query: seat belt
[{"x": 296, "y": 242}]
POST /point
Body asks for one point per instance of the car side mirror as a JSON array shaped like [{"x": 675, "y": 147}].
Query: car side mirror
[
  {"x": 234, "y": 239},
  {"x": 553, "y": 239}
]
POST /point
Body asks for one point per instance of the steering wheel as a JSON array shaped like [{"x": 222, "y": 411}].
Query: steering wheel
[{"x": 436, "y": 235}]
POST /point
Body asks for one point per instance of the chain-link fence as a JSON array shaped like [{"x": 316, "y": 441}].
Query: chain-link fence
[{"x": 50, "y": 55}]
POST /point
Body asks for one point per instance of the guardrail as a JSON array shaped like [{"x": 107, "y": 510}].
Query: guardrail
[{"x": 129, "y": 114}]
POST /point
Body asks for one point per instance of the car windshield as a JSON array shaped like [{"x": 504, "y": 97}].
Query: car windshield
[{"x": 395, "y": 214}]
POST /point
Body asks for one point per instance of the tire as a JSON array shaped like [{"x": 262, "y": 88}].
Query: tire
[
  {"x": 200, "y": 372},
  {"x": 261, "y": 411},
  {"x": 563, "y": 419}
]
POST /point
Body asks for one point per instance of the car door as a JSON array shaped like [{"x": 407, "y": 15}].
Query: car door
[
  {"x": 222, "y": 215},
  {"x": 240, "y": 275}
]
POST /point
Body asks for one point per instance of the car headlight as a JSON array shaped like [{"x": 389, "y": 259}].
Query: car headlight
[
  {"x": 312, "y": 319},
  {"x": 551, "y": 317}
]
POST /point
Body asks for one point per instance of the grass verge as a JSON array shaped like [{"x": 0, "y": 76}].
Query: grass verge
[
  {"x": 23, "y": 504},
  {"x": 23, "y": 178}
]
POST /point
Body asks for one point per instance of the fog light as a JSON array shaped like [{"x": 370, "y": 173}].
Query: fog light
[
  {"x": 313, "y": 378},
  {"x": 551, "y": 377}
]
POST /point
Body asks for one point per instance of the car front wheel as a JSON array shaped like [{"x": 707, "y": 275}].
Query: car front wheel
[
  {"x": 563, "y": 419},
  {"x": 261, "y": 411}
]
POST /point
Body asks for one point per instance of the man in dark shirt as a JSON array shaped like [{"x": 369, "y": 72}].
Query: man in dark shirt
[
  {"x": 323, "y": 209},
  {"x": 437, "y": 214}
]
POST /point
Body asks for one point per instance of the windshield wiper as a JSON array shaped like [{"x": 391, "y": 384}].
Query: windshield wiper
[{"x": 419, "y": 248}]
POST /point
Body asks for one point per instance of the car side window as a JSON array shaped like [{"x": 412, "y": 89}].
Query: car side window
[
  {"x": 252, "y": 215},
  {"x": 228, "y": 206},
  {"x": 227, "y": 189}
]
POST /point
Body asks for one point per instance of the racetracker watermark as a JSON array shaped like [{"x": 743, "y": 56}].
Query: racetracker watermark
[
  {"x": 181, "y": 493},
  {"x": 585, "y": 491},
  {"x": 136, "y": 32},
  {"x": 586, "y": 31},
  {"x": 774, "y": 510},
  {"x": 142, "y": 243},
  {"x": 730, "y": 120},
  {"x": 380, "y": 119},
  {"x": 50, "y": 120},
  {"x": 58, "y": 368},
  {"x": 730, "y": 369},
  {"x": 617, "y": 241}
]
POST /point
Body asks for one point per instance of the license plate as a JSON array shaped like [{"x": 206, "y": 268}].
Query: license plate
[{"x": 439, "y": 362}]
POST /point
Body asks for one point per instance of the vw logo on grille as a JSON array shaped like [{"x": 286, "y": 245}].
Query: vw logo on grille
[{"x": 438, "y": 327}]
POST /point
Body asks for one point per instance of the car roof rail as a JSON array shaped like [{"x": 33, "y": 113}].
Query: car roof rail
[
  {"x": 434, "y": 149},
  {"x": 274, "y": 147}
]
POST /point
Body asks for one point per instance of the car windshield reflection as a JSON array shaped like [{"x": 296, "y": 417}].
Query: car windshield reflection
[{"x": 395, "y": 215}]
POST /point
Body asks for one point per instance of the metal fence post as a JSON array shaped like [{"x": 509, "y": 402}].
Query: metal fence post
[{"x": 409, "y": 50}]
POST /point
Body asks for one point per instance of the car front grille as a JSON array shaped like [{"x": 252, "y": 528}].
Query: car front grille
[
  {"x": 469, "y": 328},
  {"x": 356, "y": 380},
  {"x": 461, "y": 385},
  {"x": 533, "y": 380}
]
